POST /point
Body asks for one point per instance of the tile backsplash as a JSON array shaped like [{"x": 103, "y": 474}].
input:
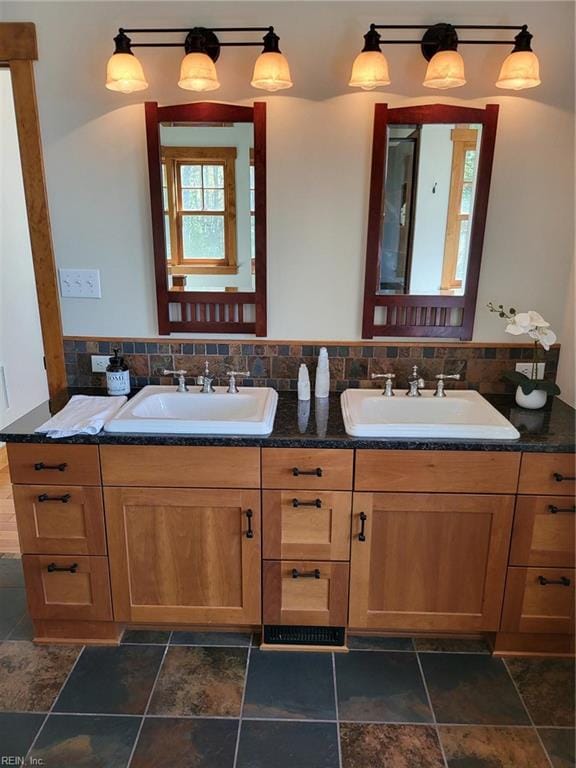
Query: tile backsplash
[{"x": 276, "y": 364}]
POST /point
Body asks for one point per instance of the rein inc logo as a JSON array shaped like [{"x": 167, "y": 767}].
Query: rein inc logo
[{"x": 20, "y": 760}]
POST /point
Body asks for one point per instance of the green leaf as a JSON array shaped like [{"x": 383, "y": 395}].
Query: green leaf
[{"x": 528, "y": 385}]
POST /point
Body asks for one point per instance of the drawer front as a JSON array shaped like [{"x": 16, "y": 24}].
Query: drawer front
[
  {"x": 307, "y": 469},
  {"x": 307, "y": 525},
  {"x": 442, "y": 471},
  {"x": 58, "y": 519},
  {"x": 543, "y": 531},
  {"x": 180, "y": 466},
  {"x": 54, "y": 464},
  {"x": 539, "y": 600},
  {"x": 80, "y": 593},
  {"x": 548, "y": 473},
  {"x": 310, "y": 593}
]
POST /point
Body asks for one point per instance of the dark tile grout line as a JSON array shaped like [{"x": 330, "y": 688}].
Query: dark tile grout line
[
  {"x": 337, "y": 709},
  {"x": 137, "y": 739},
  {"x": 241, "y": 713},
  {"x": 548, "y": 758},
  {"x": 432, "y": 712}
]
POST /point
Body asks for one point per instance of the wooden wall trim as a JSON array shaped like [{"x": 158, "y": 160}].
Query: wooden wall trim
[
  {"x": 30, "y": 144},
  {"x": 18, "y": 41}
]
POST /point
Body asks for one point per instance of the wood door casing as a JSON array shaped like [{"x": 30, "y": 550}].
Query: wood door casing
[
  {"x": 530, "y": 606},
  {"x": 543, "y": 532},
  {"x": 183, "y": 556},
  {"x": 292, "y": 529},
  {"x": 429, "y": 561}
]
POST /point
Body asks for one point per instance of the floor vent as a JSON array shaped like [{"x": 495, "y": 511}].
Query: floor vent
[{"x": 292, "y": 635}]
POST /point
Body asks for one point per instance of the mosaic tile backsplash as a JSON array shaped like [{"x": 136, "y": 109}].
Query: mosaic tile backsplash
[{"x": 276, "y": 365}]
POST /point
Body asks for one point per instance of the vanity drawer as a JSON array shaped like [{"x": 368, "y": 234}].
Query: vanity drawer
[
  {"x": 79, "y": 593},
  {"x": 441, "y": 471},
  {"x": 307, "y": 525},
  {"x": 305, "y": 592},
  {"x": 180, "y": 466},
  {"x": 543, "y": 532},
  {"x": 548, "y": 473},
  {"x": 64, "y": 520},
  {"x": 302, "y": 468},
  {"x": 54, "y": 464},
  {"x": 533, "y": 604}
]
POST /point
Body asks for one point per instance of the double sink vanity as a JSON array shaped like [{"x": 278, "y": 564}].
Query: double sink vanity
[{"x": 256, "y": 510}]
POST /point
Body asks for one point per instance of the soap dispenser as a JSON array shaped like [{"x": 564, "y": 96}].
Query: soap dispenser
[
  {"x": 117, "y": 376},
  {"x": 322, "y": 374}
]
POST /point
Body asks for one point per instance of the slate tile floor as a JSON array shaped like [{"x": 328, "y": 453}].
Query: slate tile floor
[{"x": 203, "y": 700}]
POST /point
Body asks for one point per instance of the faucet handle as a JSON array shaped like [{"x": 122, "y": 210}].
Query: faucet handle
[
  {"x": 442, "y": 376},
  {"x": 175, "y": 373},
  {"x": 388, "y": 376},
  {"x": 232, "y": 388},
  {"x": 237, "y": 373}
]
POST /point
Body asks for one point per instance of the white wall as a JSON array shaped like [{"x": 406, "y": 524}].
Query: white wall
[
  {"x": 22, "y": 376},
  {"x": 319, "y": 154}
]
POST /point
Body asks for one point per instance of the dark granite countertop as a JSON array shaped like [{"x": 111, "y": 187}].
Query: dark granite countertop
[{"x": 303, "y": 425}]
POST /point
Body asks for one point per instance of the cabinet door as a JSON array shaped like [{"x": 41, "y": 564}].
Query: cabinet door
[
  {"x": 539, "y": 600},
  {"x": 428, "y": 561},
  {"x": 184, "y": 556}
]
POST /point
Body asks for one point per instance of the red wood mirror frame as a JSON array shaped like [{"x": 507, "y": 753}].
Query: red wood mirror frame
[
  {"x": 208, "y": 311},
  {"x": 444, "y": 316}
]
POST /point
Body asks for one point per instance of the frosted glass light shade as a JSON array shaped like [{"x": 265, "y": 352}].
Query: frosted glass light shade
[
  {"x": 445, "y": 70},
  {"x": 369, "y": 71},
  {"x": 521, "y": 69},
  {"x": 271, "y": 72},
  {"x": 198, "y": 73},
  {"x": 124, "y": 73}
]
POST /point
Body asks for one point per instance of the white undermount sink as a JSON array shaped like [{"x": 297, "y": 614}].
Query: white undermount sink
[
  {"x": 155, "y": 409},
  {"x": 461, "y": 414}
]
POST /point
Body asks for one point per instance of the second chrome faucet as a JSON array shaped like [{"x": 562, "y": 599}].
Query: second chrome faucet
[
  {"x": 415, "y": 383},
  {"x": 206, "y": 380}
]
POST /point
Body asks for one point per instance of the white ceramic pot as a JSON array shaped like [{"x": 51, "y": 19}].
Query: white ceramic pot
[{"x": 536, "y": 399}]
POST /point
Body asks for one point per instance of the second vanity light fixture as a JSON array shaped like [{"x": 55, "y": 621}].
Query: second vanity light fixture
[
  {"x": 439, "y": 46},
  {"x": 124, "y": 72}
]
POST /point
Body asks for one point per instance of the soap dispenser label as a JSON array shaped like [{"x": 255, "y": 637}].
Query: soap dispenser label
[{"x": 118, "y": 382}]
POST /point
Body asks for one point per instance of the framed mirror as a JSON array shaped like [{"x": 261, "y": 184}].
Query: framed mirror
[
  {"x": 431, "y": 169},
  {"x": 207, "y": 168}
]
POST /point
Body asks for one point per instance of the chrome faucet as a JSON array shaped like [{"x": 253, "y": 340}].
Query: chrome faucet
[
  {"x": 206, "y": 380},
  {"x": 232, "y": 388},
  {"x": 415, "y": 383},
  {"x": 441, "y": 379},
  {"x": 182, "y": 387},
  {"x": 388, "y": 391}
]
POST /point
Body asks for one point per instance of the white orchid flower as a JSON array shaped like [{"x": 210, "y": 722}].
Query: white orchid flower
[{"x": 543, "y": 336}]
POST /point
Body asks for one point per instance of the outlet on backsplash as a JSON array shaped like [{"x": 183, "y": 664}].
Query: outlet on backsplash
[
  {"x": 99, "y": 363},
  {"x": 526, "y": 369}
]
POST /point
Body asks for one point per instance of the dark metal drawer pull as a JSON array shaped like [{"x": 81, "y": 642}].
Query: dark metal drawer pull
[
  {"x": 64, "y": 499},
  {"x": 559, "y": 477},
  {"x": 362, "y": 535},
  {"x": 249, "y": 532},
  {"x": 317, "y": 472},
  {"x": 69, "y": 569},
  {"x": 554, "y": 509},
  {"x": 315, "y": 574},
  {"x": 316, "y": 503},
  {"x": 562, "y": 581},
  {"x": 60, "y": 467}
]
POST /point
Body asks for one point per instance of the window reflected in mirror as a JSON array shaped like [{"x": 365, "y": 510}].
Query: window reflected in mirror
[
  {"x": 208, "y": 193},
  {"x": 428, "y": 203}
]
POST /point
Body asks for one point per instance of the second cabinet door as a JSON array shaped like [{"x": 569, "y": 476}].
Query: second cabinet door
[
  {"x": 428, "y": 561},
  {"x": 189, "y": 556}
]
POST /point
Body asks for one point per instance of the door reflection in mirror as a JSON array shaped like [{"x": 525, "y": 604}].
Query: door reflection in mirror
[
  {"x": 208, "y": 202},
  {"x": 429, "y": 192}
]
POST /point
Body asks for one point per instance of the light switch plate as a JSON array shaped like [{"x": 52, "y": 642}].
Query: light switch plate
[
  {"x": 526, "y": 369},
  {"x": 80, "y": 283}
]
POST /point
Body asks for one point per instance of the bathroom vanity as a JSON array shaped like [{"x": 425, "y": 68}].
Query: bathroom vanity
[{"x": 306, "y": 532}]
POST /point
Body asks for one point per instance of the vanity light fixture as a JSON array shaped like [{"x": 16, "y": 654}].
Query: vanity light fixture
[
  {"x": 124, "y": 72},
  {"x": 439, "y": 46}
]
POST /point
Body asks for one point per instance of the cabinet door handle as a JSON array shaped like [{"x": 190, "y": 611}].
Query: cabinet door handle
[
  {"x": 553, "y": 509},
  {"x": 64, "y": 499},
  {"x": 316, "y": 503},
  {"x": 317, "y": 472},
  {"x": 559, "y": 477},
  {"x": 562, "y": 581},
  {"x": 362, "y": 535},
  {"x": 296, "y": 574},
  {"x": 40, "y": 466},
  {"x": 52, "y": 567},
  {"x": 249, "y": 532}
]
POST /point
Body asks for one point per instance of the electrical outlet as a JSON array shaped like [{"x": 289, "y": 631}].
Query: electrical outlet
[
  {"x": 80, "y": 283},
  {"x": 99, "y": 363},
  {"x": 526, "y": 369}
]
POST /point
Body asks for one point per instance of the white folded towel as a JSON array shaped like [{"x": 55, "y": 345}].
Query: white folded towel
[{"x": 82, "y": 415}]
